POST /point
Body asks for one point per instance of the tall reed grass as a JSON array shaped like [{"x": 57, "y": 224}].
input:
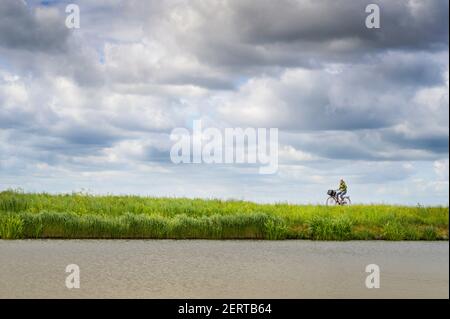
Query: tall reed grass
[{"x": 85, "y": 216}]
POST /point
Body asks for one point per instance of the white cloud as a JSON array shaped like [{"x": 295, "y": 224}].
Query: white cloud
[{"x": 441, "y": 169}]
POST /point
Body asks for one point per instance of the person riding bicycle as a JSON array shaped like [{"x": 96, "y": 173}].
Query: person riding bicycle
[{"x": 341, "y": 191}]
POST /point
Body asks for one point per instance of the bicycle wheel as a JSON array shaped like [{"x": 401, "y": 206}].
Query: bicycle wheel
[
  {"x": 331, "y": 201},
  {"x": 346, "y": 201}
]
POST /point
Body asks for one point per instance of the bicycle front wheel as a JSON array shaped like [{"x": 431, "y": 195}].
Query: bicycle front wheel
[{"x": 331, "y": 201}]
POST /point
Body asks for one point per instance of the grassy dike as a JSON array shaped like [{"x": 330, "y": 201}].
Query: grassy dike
[{"x": 85, "y": 216}]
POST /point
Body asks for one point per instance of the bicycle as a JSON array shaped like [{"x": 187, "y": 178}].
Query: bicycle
[{"x": 334, "y": 200}]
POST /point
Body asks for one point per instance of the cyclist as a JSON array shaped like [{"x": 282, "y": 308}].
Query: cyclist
[{"x": 341, "y": 191}]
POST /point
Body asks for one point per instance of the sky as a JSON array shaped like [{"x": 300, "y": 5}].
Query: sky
[{"x": 92, "y": 109}]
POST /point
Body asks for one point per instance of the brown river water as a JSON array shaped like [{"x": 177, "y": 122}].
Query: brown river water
[{"x": 223, "y": 269}]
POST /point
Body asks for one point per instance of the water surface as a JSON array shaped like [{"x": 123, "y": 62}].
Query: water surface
[{"x": 222, "y": 269}]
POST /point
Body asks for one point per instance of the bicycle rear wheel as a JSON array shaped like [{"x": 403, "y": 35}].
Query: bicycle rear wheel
[{"x": 346, "y": 201}]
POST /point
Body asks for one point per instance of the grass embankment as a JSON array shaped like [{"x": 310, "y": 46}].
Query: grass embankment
[{"x": 86, "y": 216}]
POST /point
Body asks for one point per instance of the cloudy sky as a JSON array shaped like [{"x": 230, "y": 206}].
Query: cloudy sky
[{"x": 93, "y": 108}]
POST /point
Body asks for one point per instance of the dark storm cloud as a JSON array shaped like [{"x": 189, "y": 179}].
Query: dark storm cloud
[
  {"x": 71, "y": 140},
  {"x": 89, "y": 135},
  {"x": 154, "y": 154},
  {"x": 24, "y": 29},
  {"x": 15, "y": 120},
  {"x": 245, "y": 33},
  {"x": 199, "y": 80},
  {"x": 418, "y": 70},
  {"x": 405, "y": 24},
  {"x": 433, "y": 143},
  {"x": 35, "y": 40},
  {"x": 371, "y": 145}
]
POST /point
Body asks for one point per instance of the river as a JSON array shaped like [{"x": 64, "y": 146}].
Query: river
[{"x": 223, "y": 269}]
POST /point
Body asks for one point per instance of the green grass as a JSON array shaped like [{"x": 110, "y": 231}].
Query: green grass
[{"x": 77, "y": 215}]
